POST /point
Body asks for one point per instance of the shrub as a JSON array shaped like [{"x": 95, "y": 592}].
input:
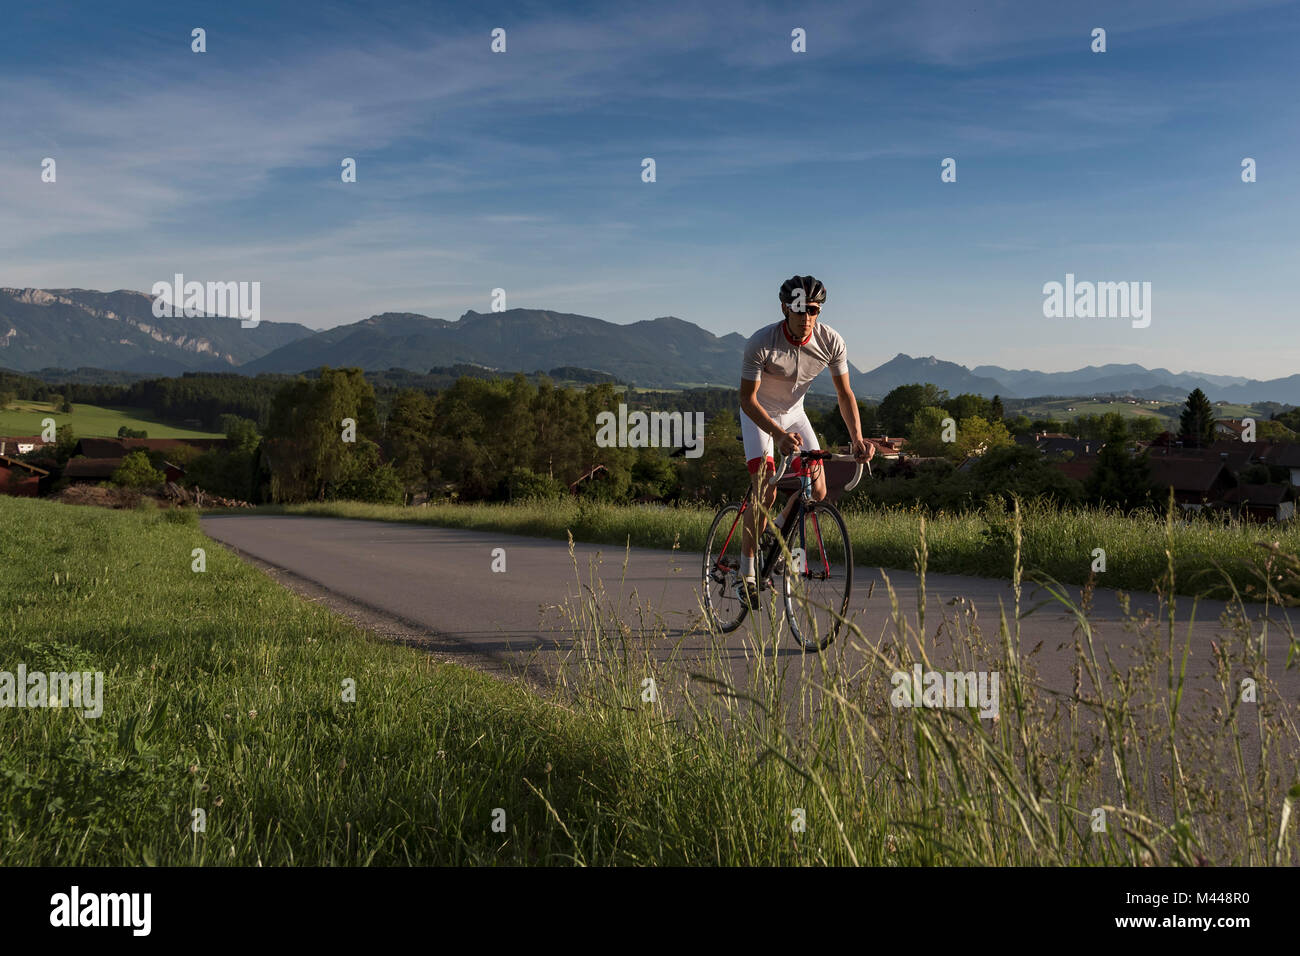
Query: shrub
[
  {"x": 380, "y": 486},
  {"x": 136, "y": 471},
  {"x": 526, "y": 485}
]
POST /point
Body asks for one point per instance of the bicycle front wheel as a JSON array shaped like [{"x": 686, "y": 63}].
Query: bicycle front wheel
[{"x": 817, "y": 594}]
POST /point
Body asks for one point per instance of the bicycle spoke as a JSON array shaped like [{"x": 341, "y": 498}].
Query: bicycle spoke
[{"x": 817, "y": 596}]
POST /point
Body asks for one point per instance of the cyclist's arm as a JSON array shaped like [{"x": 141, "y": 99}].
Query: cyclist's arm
[
  {"x": 849, "y": 412},
  {"x": 749, "y": 405}
]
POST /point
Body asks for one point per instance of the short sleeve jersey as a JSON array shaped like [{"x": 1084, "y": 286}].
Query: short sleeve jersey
[{"x": 784, "y": 368}]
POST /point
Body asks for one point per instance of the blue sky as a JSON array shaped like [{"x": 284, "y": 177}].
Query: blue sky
[{"x": 522, "y": 170}]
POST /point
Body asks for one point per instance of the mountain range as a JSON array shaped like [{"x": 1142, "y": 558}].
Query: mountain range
[
  {"x": 69, "y": 328},
  {"x": 43, "y": 328}
]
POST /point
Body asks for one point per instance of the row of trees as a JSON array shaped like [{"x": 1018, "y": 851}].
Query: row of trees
[{"x": 334, "y": 435}]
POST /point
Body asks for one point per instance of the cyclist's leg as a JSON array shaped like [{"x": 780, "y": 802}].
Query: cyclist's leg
[
  {"x": 799, "y": 423},
  {"x": 758, "y": 457}
]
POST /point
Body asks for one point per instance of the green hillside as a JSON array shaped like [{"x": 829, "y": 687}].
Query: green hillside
[{"x": 87, "y": 421}]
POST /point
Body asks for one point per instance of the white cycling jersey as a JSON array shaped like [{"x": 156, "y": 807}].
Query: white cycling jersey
[{"x": 784, "y": 370}]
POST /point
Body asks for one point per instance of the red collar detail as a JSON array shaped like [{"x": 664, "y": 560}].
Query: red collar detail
[{"x": 790, "y": 338}]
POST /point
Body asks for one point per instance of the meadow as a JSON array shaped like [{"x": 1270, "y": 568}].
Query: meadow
[{"x": 87, "y": 421}]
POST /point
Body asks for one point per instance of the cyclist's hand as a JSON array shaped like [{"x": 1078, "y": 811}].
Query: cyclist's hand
[
  {"x": 789, "y": 442},
  {"x": 863, "y": 450}
]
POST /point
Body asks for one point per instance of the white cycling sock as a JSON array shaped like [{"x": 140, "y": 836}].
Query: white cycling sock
[{"x": 747, "y": 566}]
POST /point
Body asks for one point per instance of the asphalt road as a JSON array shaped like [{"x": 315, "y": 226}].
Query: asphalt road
[{"x": 418, "y": 581}]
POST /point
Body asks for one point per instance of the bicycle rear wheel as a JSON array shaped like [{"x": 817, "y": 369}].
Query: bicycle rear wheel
[
  {"x": 817, "y": 595},
  {"x": 722, "y": 551}
]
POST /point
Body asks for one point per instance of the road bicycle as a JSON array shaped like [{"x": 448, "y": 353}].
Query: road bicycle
[{"x": 816, "y": 597}]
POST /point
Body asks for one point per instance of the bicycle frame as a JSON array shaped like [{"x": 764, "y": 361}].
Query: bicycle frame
[
  {"x": 797, "y": 554},
  {"x": 800, "y": 510}
]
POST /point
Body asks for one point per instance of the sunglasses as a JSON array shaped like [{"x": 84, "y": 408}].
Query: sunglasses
[{"x": 810, "y": 309}]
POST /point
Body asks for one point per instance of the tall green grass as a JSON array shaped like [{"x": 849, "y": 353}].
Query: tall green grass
[
  {"x": 1139, "y": 765},
  {"x": 1058, "y": 542},
  {"x": 223, "y": 692}
]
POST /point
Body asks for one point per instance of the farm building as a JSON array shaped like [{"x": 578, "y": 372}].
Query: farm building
[{"x": 19, "y": 478}]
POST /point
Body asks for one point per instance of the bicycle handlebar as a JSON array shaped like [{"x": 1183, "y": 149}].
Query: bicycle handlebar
[{"x": 820, "y": 456}]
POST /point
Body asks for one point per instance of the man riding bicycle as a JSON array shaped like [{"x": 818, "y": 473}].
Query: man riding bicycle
[{"x": 781, "y": 361}]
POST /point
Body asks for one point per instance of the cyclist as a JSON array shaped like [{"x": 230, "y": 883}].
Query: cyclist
[{"x": 781, "y": 361}]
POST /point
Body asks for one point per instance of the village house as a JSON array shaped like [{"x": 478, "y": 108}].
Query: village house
[
  {"x": 1285, "y": 455},
  {"x": 119, "y": 448},
  {"x": 1196, "y": 483},
  {"x": 1233, "y": 455},
  {"x": 1229, "y": 428},
  {"x": 80, "y": 471},
  {"x": 95, "y": 459},
  {"x": 20, "y": 479},
  {"x": 1262, "y": 502},
  {"x": 21, "y": 445},
  {"x": 1077, "y": 468}
]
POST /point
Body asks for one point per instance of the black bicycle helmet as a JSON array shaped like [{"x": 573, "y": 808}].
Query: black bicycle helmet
[{"x": 813, "y": 290}]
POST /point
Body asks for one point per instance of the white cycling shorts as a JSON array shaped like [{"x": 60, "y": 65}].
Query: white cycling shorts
[{"x": 759, "y": 445}]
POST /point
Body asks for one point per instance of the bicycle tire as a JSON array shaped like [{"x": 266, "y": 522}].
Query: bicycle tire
[
  {"x": 720, "y": 600},
  {"x": 815, "y": 620}
]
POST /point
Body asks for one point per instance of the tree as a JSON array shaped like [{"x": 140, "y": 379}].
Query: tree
[
  {"x": 1273, "y": 431},
  {"x": 1145, "y": 427},
  {"x": 1118, "y": 477},
  {"x": 900, "y": 406},
  {"x": 1196, "y": 423},
  {"x": 306, "y": 438},
  {"x": 1290, "y": 419},
  {"x": 968, "y": 406},
  {"x": 719, "y": 473},
  {"x": 527, "y": 485},
  {"x": 66, "y": 444},
  {"x": 136, "y": 471},
  {"x": 408, "y": 437},
  {"x": 366, "y": 478},
  {"x": 653, "y": 474},
  {"x": 1020, "y": 470},
  {"x": 241, "y": 434},
  {"x": 830, "y": 423},
  {"x": 125, "y": 432},
  {"x": 996, "y": 410},
  {"x": 926, "y": 433},
  {"x": 232, "y": 472},
  {"x": 975, "y": 436},
  {"x": 1097, "y": 427},
  {"x": 1020, "y": 425}
]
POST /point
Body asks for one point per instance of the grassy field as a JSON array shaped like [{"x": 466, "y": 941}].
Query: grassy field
[
  {"x": 1058, "y": 543},
  {"x": 87, "y": 421},
  {"x": 223, "y": 693},
  {"x": 1066, "y": 409}
]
